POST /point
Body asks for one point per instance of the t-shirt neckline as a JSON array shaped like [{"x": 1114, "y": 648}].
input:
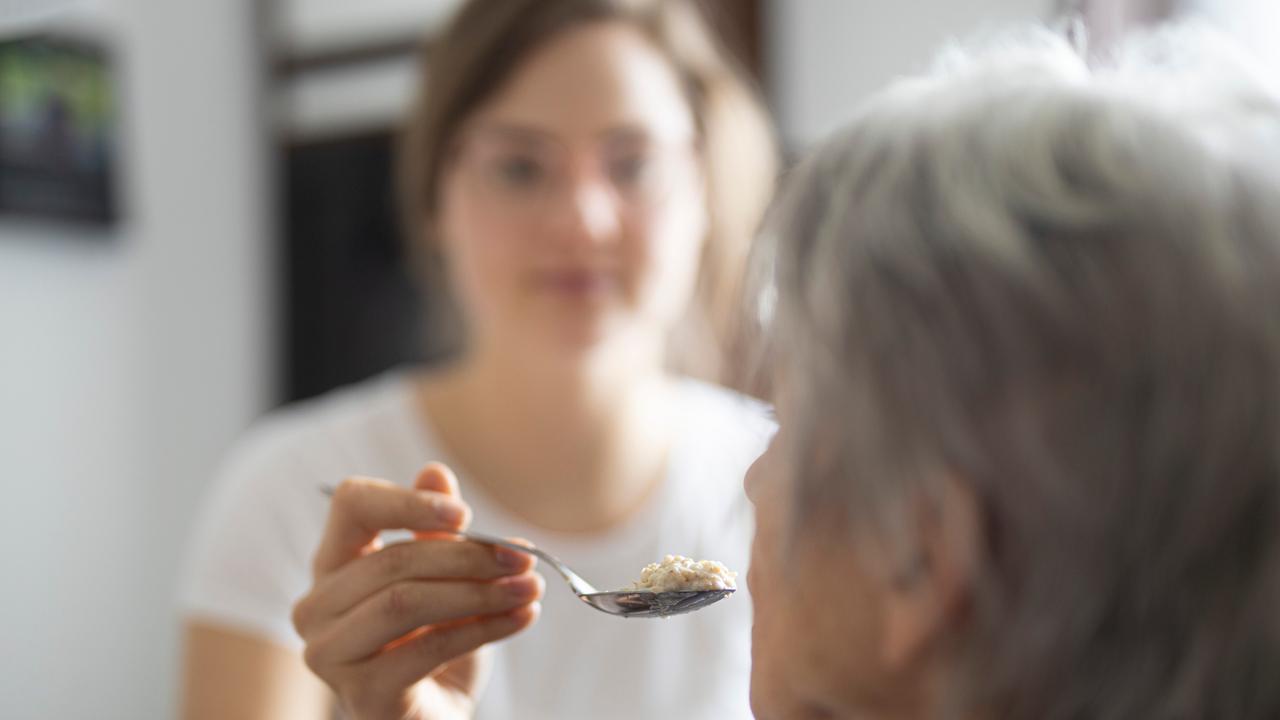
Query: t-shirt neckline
[{"x": 491, "y": 515}]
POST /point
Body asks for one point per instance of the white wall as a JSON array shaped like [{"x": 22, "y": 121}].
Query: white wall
[
  {"x": 125, "y": 369},
  {"x": 73, "y": 514},
  {"x": 826, "y": 55},
  {"x": 1254, "y": 22}
]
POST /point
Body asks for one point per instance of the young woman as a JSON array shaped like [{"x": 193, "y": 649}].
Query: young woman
[
  {"x": 584, "y": 175},
  {"x": 1027, "y": 330}
]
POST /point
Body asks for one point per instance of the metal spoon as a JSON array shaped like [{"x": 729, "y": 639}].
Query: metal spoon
[{"x": 624, "y": 603}]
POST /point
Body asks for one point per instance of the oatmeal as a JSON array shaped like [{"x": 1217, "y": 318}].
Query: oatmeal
[{"x": 677, "y": 573}]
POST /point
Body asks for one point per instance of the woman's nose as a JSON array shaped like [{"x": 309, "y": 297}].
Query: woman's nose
[{"x": 590, "y": 211}]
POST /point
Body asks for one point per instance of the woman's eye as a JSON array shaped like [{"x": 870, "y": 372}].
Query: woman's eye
[
  {"x": 628, "y": 170},
  {"x": 519, "y": 171}
]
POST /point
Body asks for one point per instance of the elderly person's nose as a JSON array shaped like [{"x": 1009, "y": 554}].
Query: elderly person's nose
[{"x": 751, "y": 482}]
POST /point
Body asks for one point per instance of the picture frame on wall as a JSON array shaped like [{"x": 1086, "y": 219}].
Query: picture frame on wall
[{"x": 58, "y": 131}]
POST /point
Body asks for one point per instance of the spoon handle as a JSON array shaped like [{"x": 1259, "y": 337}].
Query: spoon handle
[{"x": 580, "y": 586}]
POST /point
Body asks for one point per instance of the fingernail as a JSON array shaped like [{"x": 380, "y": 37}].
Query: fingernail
[
  {"x": 449, "y": 513},
  {"x": 511, "y": 559},
  {"x": 524, "y": 587},
  {"x": 525, "y": 613}
]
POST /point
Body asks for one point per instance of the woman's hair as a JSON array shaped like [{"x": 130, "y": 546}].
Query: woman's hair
[
  {"x": 1060, "y": 285},
  {"x": 483, "y": 46}
]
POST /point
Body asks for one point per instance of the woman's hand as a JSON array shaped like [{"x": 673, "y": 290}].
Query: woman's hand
[{"x": 396, "y": 631}]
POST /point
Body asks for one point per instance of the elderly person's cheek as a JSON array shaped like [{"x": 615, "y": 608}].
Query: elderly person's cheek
[{"x": 768, "y": 641}]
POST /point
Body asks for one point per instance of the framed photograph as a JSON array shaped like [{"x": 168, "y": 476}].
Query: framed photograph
[{"x": 57, "y": 131}]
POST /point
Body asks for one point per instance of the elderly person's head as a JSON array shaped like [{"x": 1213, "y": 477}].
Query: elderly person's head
[{"x": 1025, "y": 316}]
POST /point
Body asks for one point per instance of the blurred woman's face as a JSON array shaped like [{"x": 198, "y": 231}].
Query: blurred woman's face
[{"x": 573, "y": 212}]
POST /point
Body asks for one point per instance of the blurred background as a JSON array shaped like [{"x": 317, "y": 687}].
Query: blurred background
[{"x": 196, "y": 225}]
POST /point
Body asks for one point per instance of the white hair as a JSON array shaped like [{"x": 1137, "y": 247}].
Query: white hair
[{"x": 1060, "y": 282}]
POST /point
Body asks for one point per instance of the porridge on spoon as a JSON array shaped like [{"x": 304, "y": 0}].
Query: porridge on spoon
[{"x": 677, "y": 573}]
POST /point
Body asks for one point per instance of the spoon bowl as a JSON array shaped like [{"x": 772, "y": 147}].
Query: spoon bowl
[{"x": 637, "y": 603}]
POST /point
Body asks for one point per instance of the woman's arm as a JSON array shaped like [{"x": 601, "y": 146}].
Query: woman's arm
[{"x": 228, "y": 674}]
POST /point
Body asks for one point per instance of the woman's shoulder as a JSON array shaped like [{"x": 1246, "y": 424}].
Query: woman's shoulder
[
  {"x": 721, "y": 428},
  {"x": 720, "y": 434},
  {"x": 338, "y": 428},
  {"x": 725, "y": 413}
]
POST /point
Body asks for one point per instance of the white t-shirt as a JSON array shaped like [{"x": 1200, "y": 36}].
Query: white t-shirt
[{"x": 251, "y": 553}]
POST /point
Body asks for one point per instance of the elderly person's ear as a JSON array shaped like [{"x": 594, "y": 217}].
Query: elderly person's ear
[{"x": 925, "y": 599}]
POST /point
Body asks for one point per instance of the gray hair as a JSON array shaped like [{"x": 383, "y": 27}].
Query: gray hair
[{"x": 1061, "y": 285}]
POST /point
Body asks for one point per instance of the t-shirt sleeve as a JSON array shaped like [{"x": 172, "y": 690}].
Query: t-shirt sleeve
[{"x": 249, "y": 555}]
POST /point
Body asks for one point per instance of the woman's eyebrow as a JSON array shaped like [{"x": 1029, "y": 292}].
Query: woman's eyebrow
[
  {"x": 625, "y": 133},
  {"x": 514, "y": 132},
  {"x": 636, "y": 134},
  {"x": 640, "y": 135}
]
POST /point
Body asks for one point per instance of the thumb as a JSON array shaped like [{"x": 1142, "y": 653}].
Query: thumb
[{"x": 437, "y": 477}]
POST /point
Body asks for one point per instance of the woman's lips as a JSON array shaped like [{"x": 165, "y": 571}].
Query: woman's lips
[{"x": 578, "y": 283}]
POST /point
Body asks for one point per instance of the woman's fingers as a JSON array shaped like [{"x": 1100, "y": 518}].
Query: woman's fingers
[
  {"x": 407, "y": 663},
  {"x": 361, "y": 508},
  {"x": 403, "y": 607},
  {"x": 443, "y": 559},
  {"x": 379, "y": 620}
]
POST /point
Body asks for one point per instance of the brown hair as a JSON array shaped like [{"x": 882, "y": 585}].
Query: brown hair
[{"x": 484, "y": 44}]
